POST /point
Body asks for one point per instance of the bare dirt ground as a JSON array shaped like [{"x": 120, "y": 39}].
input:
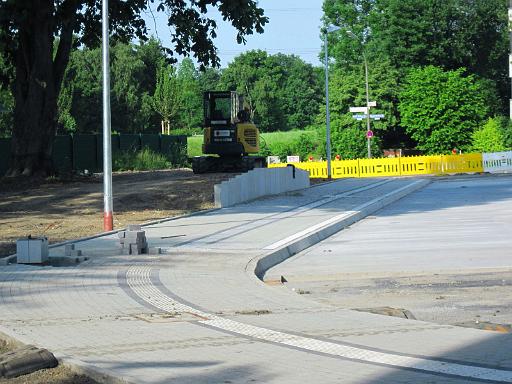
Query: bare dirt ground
[
  {"x": 64, "y": 210},
  {"x": 57, "y": 375}
]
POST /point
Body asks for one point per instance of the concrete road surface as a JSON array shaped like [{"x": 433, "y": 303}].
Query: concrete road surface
[
  {"x": 444, "y": 254},
  {"x": 198, "y": 314}
]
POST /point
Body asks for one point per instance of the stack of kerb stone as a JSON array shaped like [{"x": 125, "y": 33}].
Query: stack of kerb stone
[{"x": 133, "y": 240}]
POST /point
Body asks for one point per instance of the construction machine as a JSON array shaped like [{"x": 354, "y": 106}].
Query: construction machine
[{"x": 229, "y": 136}]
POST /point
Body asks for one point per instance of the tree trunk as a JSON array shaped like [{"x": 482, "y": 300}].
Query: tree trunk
[{"x": 36, "y": 89}]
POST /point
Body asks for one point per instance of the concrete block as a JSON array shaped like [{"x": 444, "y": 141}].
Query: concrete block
[
  {"x": 133, "y": 227},
  {"x": 135, "y": 236},
  {"x": 138, "y": 248},
  {"x": 155, "y": 251},
  {"x": 32, "y": 250},
  {"x": 219, "y": 197},
  {"x": 135, "y": 247},
  {"x": 258, "y": 183},
  {"x": 234, "y": 191},
  {"x": 68, "y": 248}
]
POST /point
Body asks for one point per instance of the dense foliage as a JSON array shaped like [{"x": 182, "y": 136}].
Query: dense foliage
[
  {"x": 489, "y": 138},
  {"x": 440, "y": 109},
  {"x": 37, "y": 37},
  {"x": 403, "y": 36},
  {"x": 415, "y": 50},
  {"x": 147, "y": 92},
  {"x": 282, "y": 91}
]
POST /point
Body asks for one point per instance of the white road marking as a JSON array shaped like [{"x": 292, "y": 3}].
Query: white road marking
[{"x": 139, "y": 280}]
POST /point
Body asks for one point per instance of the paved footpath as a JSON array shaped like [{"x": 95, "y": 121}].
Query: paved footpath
[{"x": 198, "y": 313}]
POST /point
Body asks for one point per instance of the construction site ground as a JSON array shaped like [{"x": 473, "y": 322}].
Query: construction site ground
[
  {"x": 69, "y": 209},
  {"x": 65, "y": 210}
]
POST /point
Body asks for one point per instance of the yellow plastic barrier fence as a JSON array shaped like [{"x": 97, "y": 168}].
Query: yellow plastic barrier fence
[{"x": 398, "y": 166}]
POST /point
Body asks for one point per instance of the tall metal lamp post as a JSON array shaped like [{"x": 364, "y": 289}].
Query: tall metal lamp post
[
  {"x": 368, "y": 127},
  {"x": 329, "y": 29},
  {"x": 108, "y": 219}
]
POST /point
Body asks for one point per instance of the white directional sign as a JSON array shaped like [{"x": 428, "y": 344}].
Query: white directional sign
[
  {"x": 372, "y": 103},
  {"x": 374, "y": 117},
  {"x": 359, "y": 109}
]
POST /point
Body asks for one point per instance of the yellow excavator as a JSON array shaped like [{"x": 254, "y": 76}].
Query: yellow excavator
[{"x": 229, "y": 136}]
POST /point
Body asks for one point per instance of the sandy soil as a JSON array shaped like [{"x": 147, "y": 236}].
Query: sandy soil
[
  {"x": 58, "y": 375},
  {"x": 64, "y": 210}
]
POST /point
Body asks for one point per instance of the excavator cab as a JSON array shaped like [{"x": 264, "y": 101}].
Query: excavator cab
[{"x": 229, "y": 135}]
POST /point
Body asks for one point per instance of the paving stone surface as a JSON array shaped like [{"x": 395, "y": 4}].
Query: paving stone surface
[{"x": 198, "y": 314}]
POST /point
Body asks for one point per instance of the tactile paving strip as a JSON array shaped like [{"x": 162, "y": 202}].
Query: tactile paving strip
[{"x": 139, "y": 281}]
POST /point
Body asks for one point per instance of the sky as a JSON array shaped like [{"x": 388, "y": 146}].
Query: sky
[{"x": 293, "y": 28}]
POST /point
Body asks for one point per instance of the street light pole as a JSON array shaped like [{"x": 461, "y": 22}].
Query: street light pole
[
  {"x": 108, "y": 219},
  {"x": 510, "y": 55},
  {"x": 329, "y": 29},
  {"x": 368, "y": 139}
]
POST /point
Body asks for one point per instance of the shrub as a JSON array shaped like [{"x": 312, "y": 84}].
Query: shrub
[
  {"x": 351, "y": 143},
  {"x": 178, "y": 156},
  {"x": 282, "y": 150},
  {"x": 489, "y": 138},
  {"x": 305, "y": 145},
  {"x": 440, "y": 109},
  {"x": 139, "y": 160}
]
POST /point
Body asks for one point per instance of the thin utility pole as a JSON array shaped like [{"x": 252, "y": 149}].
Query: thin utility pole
[
  {"x": 368, "y": 128},
  {"x": 510, "y": 55},
  {"x": 108, "y": 219},
  {"x": 327, "y": 115}
]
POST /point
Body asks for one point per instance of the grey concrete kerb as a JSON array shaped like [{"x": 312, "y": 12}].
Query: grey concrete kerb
[{"x": 259, "y": 265}]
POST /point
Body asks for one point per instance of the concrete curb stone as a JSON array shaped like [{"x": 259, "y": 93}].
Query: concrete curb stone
[{"x": 261, "y": 264}]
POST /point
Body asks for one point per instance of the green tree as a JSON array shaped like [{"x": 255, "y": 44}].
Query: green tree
[
  {"x": 489, "y": 138},
  {"x": 355, "y": 16},
  {"x": 6, "y": 100},
  {"x": 283, "y": 92},
  {"x": 209, "y": 80},
  {"x": 351, "y": 143},
  {"x": 167, "y": 97},
  {"x": 440, "y": 109},
  {"x": 446, "y": 33},
  {"x": 300, "y": 92},
  {"x": 66, "y": 121},
  {"x": 242, "y": 74},
  {"x": 29, "y": 29},
  {"x": 191, "y": 111},
  {"x": 414, "y": 33},
  {"x": 347, "y": 89},
  {"x": 133, "y": 80}
]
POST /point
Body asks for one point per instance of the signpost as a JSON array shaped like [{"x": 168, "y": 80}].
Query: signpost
[
  {"x": 366, "y": 115},
  {"x": 374, "y": 117}
]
